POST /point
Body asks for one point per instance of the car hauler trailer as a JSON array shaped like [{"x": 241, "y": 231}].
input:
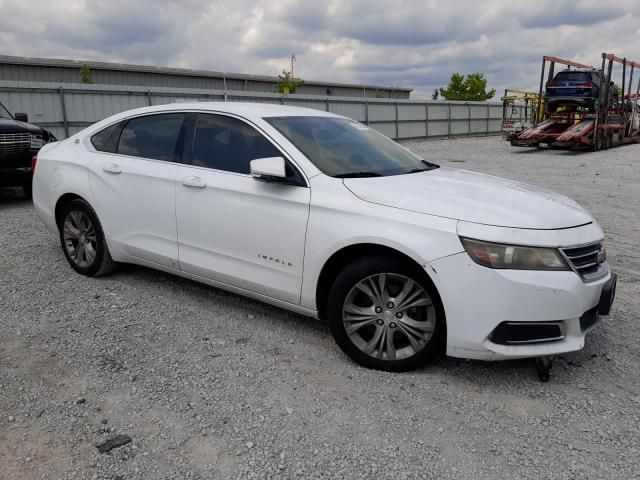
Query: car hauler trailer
[{"x": 612, "y": 119}]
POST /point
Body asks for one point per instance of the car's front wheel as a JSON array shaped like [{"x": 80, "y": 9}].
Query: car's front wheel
[
  {"x": 83, "y": 241},
  {"x": 385, "y": 314}
]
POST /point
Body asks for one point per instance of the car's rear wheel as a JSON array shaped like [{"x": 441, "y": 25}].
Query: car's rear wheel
[
  {"x": 385, "y": 314},
  {"x": 83, "y": 241}
]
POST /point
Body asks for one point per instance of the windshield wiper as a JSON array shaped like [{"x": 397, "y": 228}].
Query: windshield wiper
[
  {"x": 358, "y": 175},
  {"x": 428, "y": 166}
]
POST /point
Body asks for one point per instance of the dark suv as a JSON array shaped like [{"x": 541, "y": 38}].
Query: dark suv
[
  {"x": 574, "y": 88},
  {"x": 19, "y": 142}
]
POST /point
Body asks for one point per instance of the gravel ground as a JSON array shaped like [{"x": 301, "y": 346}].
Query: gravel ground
[{"x": 208, "y": 384}]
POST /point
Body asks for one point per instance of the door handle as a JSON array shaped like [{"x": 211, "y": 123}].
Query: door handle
[
  {"x": 195, "y": 182},
  {"x": 112, "y": 168}
]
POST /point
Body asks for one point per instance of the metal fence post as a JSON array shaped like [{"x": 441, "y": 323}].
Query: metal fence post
[
  {"x": 149, "y": 97},
  {"x": 426, "y": 120},
  {"x": 488, "y": 117},
  {"x": 64, "y": 112},
  {"x": 469, "y": 119},
  {"x": 366, "y": 112},
  {"x": 327, "y": 104},
  {"x": 397, "y": 121},
  {"x": 448, "y": 120},
  {"x": 224, "y": 81}
]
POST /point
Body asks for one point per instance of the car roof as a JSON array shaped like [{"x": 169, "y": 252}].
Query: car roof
[
  {"x": 250, "y": 111},
  {"x": 243, "y": 109},
  {"x": 579, "y": 70}
]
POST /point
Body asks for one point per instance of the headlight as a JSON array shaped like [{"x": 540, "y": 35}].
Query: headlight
[
  {"x": 36, "y": 142},
  {"x": 497, "y": 255}
]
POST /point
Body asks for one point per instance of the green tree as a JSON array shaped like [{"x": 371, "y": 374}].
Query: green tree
[
  {"x": 85, "y": 73},
  {"x": 286, "y": 84},
  {"x": 472, "y": 88}
]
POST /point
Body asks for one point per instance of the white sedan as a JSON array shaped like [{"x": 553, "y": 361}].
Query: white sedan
[{"x": 324, "y": 216}]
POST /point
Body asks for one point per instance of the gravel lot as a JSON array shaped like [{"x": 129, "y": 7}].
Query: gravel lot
[{"x": 211, "y": 385}]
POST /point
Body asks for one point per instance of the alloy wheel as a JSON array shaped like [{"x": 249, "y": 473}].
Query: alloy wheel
[
  {"x": 389, "y": 316},
  {"x": 80, "y": 238}
]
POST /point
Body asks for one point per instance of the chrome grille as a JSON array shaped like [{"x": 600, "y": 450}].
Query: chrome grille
[
  {"x": 587, "y": 261},
  {"x": 14, "y": 142}
]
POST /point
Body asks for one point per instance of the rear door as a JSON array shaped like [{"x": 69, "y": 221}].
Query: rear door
[
  {"x": 233, "y": 228},
  {"x": 133, "y": 178}
]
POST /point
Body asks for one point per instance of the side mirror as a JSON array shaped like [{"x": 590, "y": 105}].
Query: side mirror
[
  {"x": 21, "y": 117},
  {"x": 270, "y": 168}
]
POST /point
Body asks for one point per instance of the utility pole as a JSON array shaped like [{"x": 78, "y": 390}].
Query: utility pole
[{"x": 293, "y": 59}]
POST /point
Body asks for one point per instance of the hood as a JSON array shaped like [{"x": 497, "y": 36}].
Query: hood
[
  {"x": 472, "y": 197},
  {"x": 8, "y": 125}
]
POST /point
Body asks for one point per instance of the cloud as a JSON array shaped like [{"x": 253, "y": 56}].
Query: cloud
[
  {"x": 573, "y": 13},
  {"x": 414, "y": 43}
]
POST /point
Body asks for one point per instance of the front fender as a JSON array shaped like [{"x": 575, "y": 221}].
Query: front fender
[{"x": 339, "y": 219}]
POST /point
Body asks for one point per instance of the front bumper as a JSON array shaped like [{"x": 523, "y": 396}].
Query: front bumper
[
  {"x": 571, "y": 100},
  {"x": 479, "y": 302}
]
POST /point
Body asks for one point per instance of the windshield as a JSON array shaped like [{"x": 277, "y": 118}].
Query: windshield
[
  {"x": 4, "y": 113},
  {"x": 345, "y": 148}
]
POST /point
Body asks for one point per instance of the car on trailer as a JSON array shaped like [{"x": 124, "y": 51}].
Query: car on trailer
[{"x": 574, "y": 88}]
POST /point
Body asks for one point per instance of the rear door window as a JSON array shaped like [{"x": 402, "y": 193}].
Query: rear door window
[{"x": 154, "y": 136}]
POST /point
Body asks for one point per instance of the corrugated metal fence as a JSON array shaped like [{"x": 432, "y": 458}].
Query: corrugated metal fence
[{"x": 65, "y": 109}]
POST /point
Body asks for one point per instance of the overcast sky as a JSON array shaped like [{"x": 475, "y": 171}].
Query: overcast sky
[{"x": 409, "y": 43}]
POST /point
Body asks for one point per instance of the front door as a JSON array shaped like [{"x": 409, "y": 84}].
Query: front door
[{"x": 233, "y": 228}]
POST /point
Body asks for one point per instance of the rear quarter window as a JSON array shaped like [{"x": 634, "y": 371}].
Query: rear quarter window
[{"x": 106, "y": 140}]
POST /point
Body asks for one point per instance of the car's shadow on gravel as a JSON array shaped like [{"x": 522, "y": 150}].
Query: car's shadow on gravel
[
  {"x": 205, "y": 294},
  {"x": 574, "y": 368},
  {"x": 554, "y": 151},
  {"x": 509, "y": 374},
  {"x": 525, "y": 150}
]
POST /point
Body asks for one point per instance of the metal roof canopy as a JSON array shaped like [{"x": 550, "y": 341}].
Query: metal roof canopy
[{"x": 123, "y": 67}]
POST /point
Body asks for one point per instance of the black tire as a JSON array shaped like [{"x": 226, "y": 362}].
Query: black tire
[
  {"x": 102, "y": 263},
  {"x": 362, "y": 269},
  {"x": 552, "y": 107},
  {"x": 600, "y": 141},
  {"x": 28, "y": 191}
]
